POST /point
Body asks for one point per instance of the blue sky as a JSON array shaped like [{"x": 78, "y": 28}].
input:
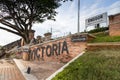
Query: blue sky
[
  {"x": 66, "y": 20},
  {"x": 102, "y": 3}
]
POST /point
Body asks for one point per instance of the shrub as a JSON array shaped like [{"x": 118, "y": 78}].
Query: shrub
[{"x": 98, "y": 30}]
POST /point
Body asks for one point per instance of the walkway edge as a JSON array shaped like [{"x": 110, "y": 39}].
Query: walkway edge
[
  {"x": 23, "y": 70},
  {"x": 62, "y": 68}
]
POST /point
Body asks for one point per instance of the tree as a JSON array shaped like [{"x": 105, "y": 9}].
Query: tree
[{"x": 19, "y": 15}]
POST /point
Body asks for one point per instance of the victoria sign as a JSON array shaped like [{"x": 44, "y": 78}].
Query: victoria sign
[{"x": 49, "y": 50}]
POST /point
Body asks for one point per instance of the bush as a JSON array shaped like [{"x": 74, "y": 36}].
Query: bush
[{"x": 98, "y": 30}]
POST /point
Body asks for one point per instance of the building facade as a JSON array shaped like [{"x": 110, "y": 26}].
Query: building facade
[{"x": 114, "y": 25}]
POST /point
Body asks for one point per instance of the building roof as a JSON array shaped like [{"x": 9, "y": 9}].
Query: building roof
[{"x": 114, "y": 14}]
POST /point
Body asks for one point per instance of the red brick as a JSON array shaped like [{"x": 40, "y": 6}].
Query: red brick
[
  {"x": 74, "y": 49},
  {"x": 114, "y": 25}
]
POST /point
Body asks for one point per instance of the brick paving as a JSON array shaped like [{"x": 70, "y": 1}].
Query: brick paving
[{"x": 9, "y": 71}]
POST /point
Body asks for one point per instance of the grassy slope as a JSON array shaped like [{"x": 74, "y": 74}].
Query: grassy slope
[
  {"x": 100, "y": 65},
  {"x": 104, "y": 37}
]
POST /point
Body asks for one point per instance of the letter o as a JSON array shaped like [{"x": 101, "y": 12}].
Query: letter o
[{"x": 47, "y": 48}]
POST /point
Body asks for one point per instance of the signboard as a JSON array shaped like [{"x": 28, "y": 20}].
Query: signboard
[
  {"x": 96, "y": 19},
  {"x": 78, "y": 38}
]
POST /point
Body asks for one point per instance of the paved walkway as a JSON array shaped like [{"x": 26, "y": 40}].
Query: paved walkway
[
  {"x": 39, "y": 69},
  {"x": 9, "y": 71}
]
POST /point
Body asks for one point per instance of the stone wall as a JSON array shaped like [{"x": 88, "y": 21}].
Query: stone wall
[{"x": 114, "y": 25}]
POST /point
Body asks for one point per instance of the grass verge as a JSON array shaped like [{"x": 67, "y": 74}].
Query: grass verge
[
  {"x": 97, "y": 65},
  {"x": 104, "y": 37}
]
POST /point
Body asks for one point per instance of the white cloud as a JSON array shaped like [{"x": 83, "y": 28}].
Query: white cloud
[
  {"x": 66, "y": 20},
  {"x": 114, "y": 8},
  {"x": 6, "y": 37}
]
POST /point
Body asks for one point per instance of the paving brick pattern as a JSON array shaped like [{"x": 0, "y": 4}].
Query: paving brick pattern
[{"x": 9, "y": 71}]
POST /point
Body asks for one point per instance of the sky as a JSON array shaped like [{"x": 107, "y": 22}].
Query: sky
[{"x": 66, "y": 19}]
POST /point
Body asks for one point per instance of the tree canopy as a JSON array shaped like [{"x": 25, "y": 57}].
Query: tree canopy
[{"x": 19, "y": 15}]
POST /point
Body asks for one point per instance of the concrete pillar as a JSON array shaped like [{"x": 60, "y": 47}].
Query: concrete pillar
[
  {"x": 48, "y": 36},
  {"x": 39, "y": 39}
]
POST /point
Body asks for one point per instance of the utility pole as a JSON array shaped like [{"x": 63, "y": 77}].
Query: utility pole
[
  {"x": 51, "y": 30},
  {"x": 78, "y": 15}
]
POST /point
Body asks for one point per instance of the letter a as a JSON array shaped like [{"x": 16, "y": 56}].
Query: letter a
[{"x": 64, "y": 47}]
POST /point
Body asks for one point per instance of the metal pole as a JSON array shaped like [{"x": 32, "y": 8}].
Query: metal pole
[
  {"x": 78, "y": 15},
  {"x": 51, "y": 29}
]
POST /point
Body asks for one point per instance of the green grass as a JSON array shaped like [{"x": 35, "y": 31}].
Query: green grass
[
  {"x": 107, "y": 39},
  {"x": 104, "y": 37},
  {"x": 99, "y": 65}
]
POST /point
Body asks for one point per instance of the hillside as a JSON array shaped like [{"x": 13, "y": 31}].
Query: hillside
[
  {"x": 93, "y": 65},
  {"x": 104, "y": 37}
]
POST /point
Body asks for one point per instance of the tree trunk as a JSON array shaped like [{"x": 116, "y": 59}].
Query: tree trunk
[{"x": 26, "y": 38}]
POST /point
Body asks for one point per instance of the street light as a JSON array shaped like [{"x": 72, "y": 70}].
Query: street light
[{"x": 78, "y": 15}]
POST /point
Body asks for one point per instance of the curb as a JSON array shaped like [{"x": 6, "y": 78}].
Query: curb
[
  {"x": 23, "y": 70},
  {"x": 62, "y": 68}
]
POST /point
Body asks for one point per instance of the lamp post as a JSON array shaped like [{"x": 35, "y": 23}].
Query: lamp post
[{"x": 78, "y": 16}]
